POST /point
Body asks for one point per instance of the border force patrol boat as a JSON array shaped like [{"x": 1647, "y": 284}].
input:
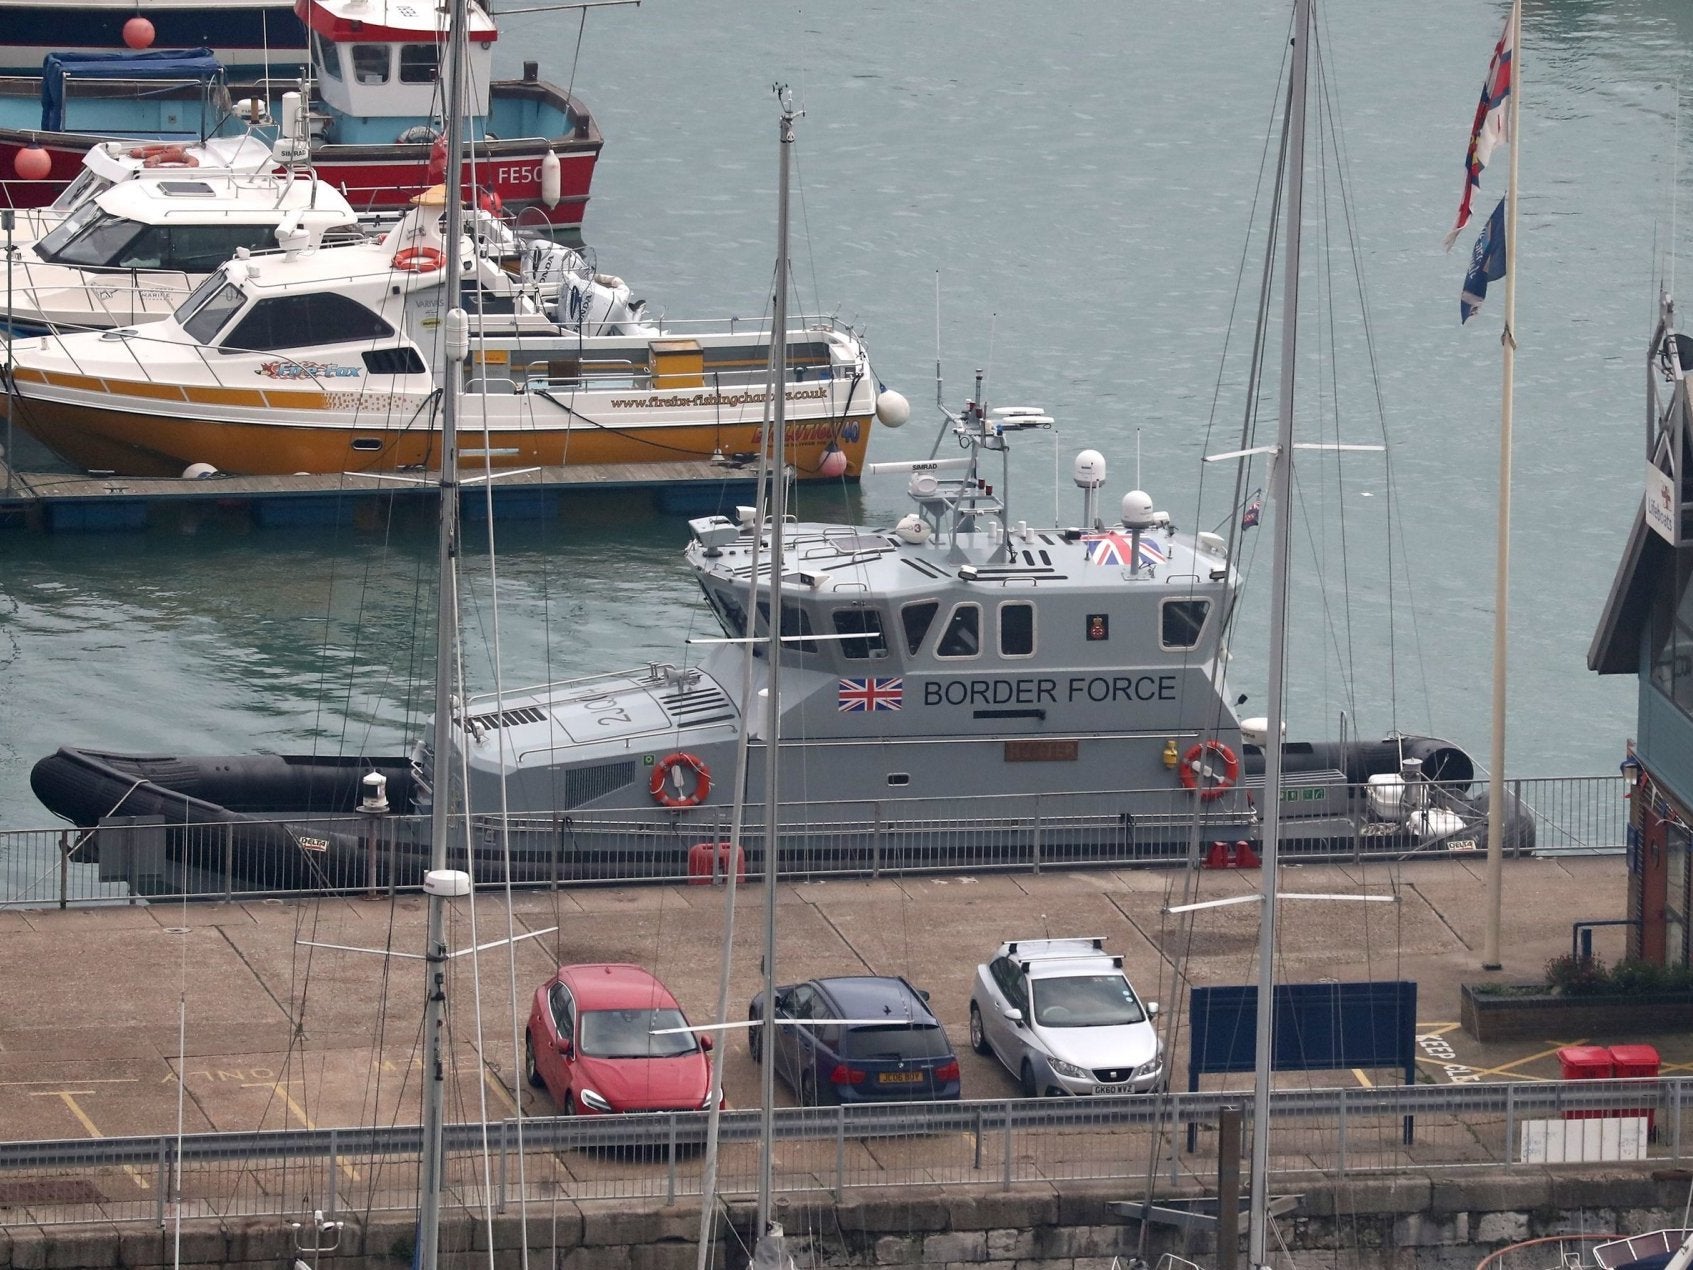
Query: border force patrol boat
[{"x": 960, "y": 688}]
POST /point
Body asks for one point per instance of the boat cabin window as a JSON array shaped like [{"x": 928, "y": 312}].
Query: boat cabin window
[
  {"x": 963, "y": 634},
  {"x": 1016, "y": 629},
  {"x": 88, "y": 184},
  {"x": 865, "y": 622},
  {"x": 370, "y": 63},
  {"x": 419, "y": 63},
  {"x": 301, "y": 321},
  {"x": 213, "y": 303},
  {"x": 730, "y": 613},
  {"x": 479, "y": 299},
  {"x": 88, "y": 236},
  {"x": 916, "y": 618},
  {"x": 114, "y": 242},
  {"x": 403, "y": 360},
  {"x": 1182, "y": 621},
  {"x": 796, "y": 626},
  {"x": 328, "y": 56}
]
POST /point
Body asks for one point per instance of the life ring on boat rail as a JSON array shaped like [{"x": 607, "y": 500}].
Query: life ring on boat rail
[
  {"x": 419, "y": 260},
  {"x": 668, "y": 794},
  {"x": 1199, "y": 770},
  {"x": 169, "y": 157}
]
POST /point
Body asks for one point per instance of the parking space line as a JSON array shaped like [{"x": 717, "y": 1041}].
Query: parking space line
[
  {"x": 67, "y": 1097},
  {"x": 1365, "y": 1081},
  {"x": 281, "y": 1091},
  {"x": 98, "y": 1080},
  {"x": 494, "y": 1083}
]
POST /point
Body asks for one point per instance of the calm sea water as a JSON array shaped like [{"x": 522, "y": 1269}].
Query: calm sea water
[{"x": 1060, "y": 196}]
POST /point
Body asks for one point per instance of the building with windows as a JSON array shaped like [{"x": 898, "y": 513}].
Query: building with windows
[{"x": 1647, "y": 631}]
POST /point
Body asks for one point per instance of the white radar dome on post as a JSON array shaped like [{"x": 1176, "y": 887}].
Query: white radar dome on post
[
  {"x": 1138, "y": 511},
  {"x": 892, "y": 408},
  {"x": 1089, "y": 470}
]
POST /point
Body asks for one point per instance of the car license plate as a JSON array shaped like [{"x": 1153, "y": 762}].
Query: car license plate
[
  {"x": 1109, "y": 1089},
  {"x": 899, "y": 1078}
]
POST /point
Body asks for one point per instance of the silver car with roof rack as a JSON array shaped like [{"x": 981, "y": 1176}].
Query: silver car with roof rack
[{"x": 1063, "y": 1017}]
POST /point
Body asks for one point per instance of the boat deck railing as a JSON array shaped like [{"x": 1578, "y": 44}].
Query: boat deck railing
[
  {"x": 1459, "y": 1132},
  {"x": 141, "y": 859}
]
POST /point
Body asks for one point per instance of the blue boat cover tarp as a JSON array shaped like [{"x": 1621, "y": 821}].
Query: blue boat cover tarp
[{"x": 197, "y": 64}]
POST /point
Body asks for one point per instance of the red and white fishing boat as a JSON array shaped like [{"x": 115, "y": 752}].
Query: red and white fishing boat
[{"x": 368, "y": 118}]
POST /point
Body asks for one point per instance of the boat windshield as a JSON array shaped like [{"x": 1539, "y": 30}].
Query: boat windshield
[
  {"x": 87, "y": 237},
  {"x": 94, "y": 239},
  {"x": 209, "y": 309},
  {"x": 89, "y": 184},
  {"x": 1085, "y": 1001},
  {"x": 630, "y": 1034}
]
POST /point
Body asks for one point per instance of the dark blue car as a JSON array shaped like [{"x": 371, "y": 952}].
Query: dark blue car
[{"x": 863, "y": 1038}]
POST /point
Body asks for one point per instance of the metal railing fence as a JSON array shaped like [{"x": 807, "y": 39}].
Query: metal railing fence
[
  {"x": 128, "y": 859},
  {"x": 1327, "y": 1132}
]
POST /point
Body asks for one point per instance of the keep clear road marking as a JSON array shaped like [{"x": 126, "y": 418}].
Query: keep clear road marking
[
  {"x": 67, "y": 1096},
  {"x": 281, "y": 1091},
  {"x": 1439, "y": 1054}
]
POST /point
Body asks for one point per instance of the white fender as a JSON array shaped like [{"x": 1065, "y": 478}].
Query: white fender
[{"x": 552, "y": 180}]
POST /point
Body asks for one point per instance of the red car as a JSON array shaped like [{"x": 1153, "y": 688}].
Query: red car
[{"x": 600, "y": 1040}]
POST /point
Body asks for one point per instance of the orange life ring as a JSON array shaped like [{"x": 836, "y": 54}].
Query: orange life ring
[
  {"x": 170, "y": 157},
  {"x": 1195, "y": 765},
  {"x": 419, "y": 260},
  {"x": 661, "y": 791},
  {"x": 147, "y": 152}
]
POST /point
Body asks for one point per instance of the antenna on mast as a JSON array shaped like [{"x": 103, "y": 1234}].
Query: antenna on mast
[{"x": 940, "y": 395}]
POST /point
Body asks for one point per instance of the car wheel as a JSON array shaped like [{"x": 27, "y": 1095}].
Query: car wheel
[
  {"x": 569, "y": 1107},
  {"x": 978, "y": 1036},
  {"x": 755, "y": 1039},
  {"x": 1030, "y": 1089},
  {"x": 531, "y": 1073}
]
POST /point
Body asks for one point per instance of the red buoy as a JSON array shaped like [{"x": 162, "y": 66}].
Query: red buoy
[
  {"x": 491, "y": 202},
  {"x": 138, "y": 33},
  {"x": 436, "y": 172},
  {"x": 32, "y": 163},
  {"x": 833, "y": 463}
]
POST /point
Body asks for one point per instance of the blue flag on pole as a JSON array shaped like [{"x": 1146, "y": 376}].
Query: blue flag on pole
[{"x": 1487, "y": 264}]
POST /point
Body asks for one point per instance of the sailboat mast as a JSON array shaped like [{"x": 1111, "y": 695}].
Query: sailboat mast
[
  {"x": 778, "y": 473},
  {"x": 446, "y": 653},
  {"x": 1280, "y": 486}
]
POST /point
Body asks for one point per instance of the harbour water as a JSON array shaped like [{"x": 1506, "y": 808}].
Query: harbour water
[{"x": 1059, "y": 196}]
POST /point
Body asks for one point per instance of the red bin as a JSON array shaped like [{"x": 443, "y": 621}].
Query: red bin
[
  {"x": 710, "y": 861},
  {"x": 1585, "y": 1062},
  {"x": 1637, "y": 1060}
]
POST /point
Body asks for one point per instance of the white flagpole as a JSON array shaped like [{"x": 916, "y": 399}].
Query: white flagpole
[{"x": 1490, "y": 958}]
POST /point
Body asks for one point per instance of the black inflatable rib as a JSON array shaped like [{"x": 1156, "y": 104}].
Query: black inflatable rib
[{"x": 278, "y": 820}]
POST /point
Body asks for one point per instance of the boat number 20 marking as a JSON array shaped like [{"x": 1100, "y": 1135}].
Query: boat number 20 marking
[{"x": 605, "y": 710}]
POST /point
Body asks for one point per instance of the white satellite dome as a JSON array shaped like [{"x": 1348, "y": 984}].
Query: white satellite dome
[
  {"x": 1089, "y": 469},
  {"x": 1138, "y": 512}
]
